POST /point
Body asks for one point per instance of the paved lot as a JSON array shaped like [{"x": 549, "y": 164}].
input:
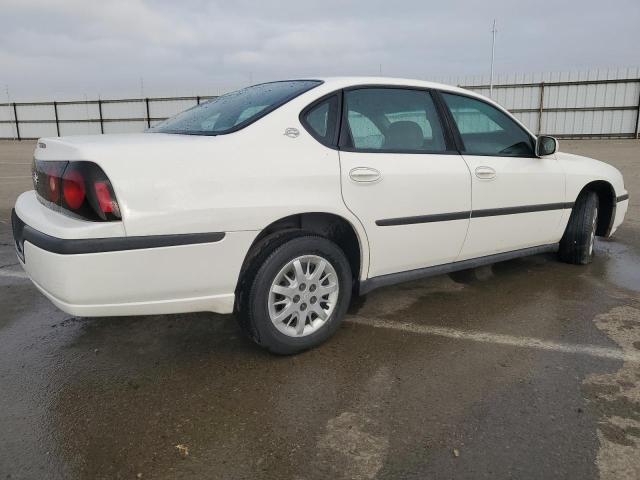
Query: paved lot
[{"x": 528, "y": 369}]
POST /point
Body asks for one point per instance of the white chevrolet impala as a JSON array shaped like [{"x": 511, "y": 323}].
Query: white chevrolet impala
[{"x": 280, "y": 201}]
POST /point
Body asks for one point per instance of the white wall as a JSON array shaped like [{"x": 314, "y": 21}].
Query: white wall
[{"x": 616, "y": 120}]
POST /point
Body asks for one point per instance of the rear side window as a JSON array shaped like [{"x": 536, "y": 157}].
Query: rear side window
[
  {"x": 321, "y": 120},
  {"x": 486, "y": 130},
  {"x": 235, "y": 110},
  {"x": 393, "y": 120},
  {"x": 365, "y": 134}
]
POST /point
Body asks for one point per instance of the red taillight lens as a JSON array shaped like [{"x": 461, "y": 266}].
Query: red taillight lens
[
  {"x": 103, "y": 195},
  {"x": 73, "y": 188}
]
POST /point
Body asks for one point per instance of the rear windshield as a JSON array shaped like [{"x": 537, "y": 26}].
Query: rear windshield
[{"x": 234, "y": 110}]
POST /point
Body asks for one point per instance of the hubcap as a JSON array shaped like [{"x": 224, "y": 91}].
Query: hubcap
[
  {"x": 592, "y": 238},
  {"x": 303, "y": 295}
]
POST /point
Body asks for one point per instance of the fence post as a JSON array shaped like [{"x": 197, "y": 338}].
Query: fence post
[
  {"x": 146, "y": 101},
  {"x": 55, "y": 111},
  {"x": 100, "y": 113},
  {"x": 541, "y": 108},
  {"x": 638, "y": 115},
  {"x": 15, "y": 117}
]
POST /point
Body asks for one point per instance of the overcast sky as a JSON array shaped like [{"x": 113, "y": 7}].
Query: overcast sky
[{"x": 72, "y": 48}]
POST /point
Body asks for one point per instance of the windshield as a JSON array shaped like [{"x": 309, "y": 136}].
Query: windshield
[{"x": 234, "y": 110}]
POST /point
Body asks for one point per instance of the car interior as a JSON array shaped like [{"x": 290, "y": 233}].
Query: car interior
[{"x": 394, "y": 119}]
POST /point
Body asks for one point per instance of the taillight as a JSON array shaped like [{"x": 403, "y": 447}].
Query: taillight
[
  {"x": 103, "y": 194},
  {"x": 54, "y": 188},
  {"x": 73, "y": 188},
  {"x": 46, "y": 179},
  {"x": 81, "y": 188}
]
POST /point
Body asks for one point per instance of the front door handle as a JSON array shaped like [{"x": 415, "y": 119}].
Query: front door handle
[
  {"x": 485, "y": 173},
  {"x": 364, "y": 175}
]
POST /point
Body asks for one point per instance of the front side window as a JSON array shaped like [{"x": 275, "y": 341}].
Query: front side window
[
  {"x": 234, "y": 110},
  {"x": 393, "y": 119},
  {"x": 485, "y": 130}
]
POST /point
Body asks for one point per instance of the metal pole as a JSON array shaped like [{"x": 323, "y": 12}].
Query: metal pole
[
  {"x": 100, "y": 113},
  {"x": 493, "y": 53},
  {"x": 15, "y": 117},
  {"x": 146, "y": 101},
  {"x": 638, "y": 119},
  {"x": 541, "y": 108},
  {"x": 55, "y": 111},
  {"x": 86, "y": 108},
  {"x": 6, "y": 87}
]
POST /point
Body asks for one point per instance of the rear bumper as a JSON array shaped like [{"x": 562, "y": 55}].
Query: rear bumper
[{"x": 132, "y": 275}]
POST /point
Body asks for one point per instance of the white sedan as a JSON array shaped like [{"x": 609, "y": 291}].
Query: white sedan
[{"x": 281, "y": 200}]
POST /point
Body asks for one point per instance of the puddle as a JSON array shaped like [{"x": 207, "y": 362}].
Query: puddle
[{"x": 621, "y": 266}]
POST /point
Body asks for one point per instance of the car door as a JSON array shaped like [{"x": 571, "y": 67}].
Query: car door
[
  {"x": 403, "y": 179},
  {"x": 517, "y": 197}
]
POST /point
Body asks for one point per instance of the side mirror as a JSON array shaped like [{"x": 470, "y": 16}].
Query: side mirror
[{"x": 546, "y": 145}]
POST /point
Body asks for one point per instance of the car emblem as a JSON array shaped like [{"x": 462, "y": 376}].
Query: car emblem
[{"x": 292, "y": 132}]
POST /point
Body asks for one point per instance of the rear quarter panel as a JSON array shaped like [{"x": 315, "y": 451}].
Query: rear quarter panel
[{"x": 244, "y": 181}]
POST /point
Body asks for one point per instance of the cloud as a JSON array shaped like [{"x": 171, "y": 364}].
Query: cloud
[{"x": 68, "y": 48}]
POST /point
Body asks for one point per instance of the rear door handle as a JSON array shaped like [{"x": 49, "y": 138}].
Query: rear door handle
[
  {"x": 485, "y": 173},
  {"x": 364, "y": 175}
]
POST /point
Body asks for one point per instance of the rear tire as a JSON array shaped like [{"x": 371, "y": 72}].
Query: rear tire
[
  {"x": 290, "y": 322},
  {"x": 577, "y": 243}
]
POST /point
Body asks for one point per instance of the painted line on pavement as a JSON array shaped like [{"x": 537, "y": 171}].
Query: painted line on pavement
[{"x": 500, "y": 339}]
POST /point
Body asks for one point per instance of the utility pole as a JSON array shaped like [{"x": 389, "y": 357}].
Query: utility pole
[{"x": 493, "y": 53}]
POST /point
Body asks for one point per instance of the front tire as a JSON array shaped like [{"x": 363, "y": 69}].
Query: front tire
[
  {"x": 578, "y": 240},
  {"x": 298, "y": 295}
]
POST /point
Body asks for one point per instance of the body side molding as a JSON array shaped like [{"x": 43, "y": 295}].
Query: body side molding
[
  {"x": 489, "y": 212},
  {"x": 438, "y": 217}
]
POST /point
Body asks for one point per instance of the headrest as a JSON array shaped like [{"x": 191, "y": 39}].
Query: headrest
[{"x": 404, "y": 135}]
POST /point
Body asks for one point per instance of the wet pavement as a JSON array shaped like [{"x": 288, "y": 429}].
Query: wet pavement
[{"x": 528, "y": 369}]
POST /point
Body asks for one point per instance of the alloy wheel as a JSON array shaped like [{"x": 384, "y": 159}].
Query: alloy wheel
[{"x": 303, "y": 295}]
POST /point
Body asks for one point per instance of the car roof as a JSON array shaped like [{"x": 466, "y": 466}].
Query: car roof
[
  {"x": 343, "y": 82},
  {"x": 330, "y": 84}
]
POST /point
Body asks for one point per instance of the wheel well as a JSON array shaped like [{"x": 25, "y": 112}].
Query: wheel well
[
  {"x": 328, "y": 225},
  {"x": 606, "y": 205}
]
